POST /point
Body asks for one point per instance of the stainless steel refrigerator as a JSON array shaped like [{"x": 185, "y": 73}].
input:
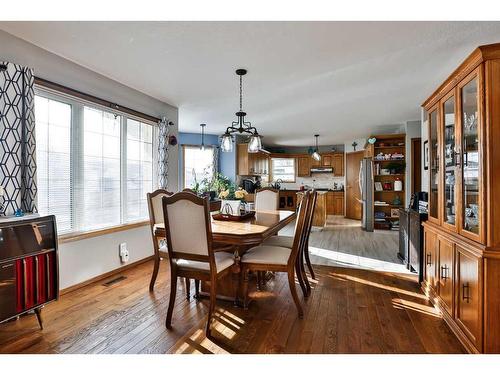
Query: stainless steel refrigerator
[{"x": 366, "y": 188}]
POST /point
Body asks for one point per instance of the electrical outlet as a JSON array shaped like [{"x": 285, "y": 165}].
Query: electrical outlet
[{"x": 124, "y": 254}]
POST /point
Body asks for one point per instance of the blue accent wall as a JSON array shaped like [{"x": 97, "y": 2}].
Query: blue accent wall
[{"x": 227, "y": 160}]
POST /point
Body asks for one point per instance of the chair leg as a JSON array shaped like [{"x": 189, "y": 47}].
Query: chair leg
[
  {"x": 293, "y": 290},
  {"x": 304, "y": 275},
  {"x": 188, "y": 287},
  {"x": 171, "y": 302},
  {"x": 196, "y": 289},
  {"x": 245, "y": 288},
  {"x": 155, "y": 272},
  {"x": 300, "y": 277},
  {"x": 211, "y": 309},
  {"x": 308, "y": 261}
]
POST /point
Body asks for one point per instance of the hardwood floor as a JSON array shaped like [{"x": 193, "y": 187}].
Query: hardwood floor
[
  {"x": 342, "y": 243},
  {"x": 349, "y": 311}
]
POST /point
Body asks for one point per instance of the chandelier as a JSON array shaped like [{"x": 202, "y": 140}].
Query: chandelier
[{"x": 241, "y": 126}]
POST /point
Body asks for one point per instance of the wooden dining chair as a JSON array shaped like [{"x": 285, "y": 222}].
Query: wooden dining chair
[
  {"x": 287, "y": 241},
  {"x": 266, "y": 199},
  {"x": 156, "y": 217},
  {"x": 277, "y": 258},
  {"x": 191, "y": 255},
  {"x": 188, "y": 190}
]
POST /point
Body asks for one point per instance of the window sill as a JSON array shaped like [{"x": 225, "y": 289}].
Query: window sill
[{"x": 77, "y": 236}]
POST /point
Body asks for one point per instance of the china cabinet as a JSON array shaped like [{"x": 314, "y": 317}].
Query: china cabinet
[{"x": 462, "y": 235}]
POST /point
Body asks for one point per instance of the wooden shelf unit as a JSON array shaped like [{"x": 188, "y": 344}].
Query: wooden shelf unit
[{"x": 387, "y": 144}]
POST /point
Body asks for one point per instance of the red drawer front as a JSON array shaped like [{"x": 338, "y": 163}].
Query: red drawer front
[{"x": 35, "y": 280}]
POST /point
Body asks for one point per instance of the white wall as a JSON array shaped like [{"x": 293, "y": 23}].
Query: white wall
[
  {"x": 413, "y": 130},
  {"x": 361, "y": 145},
  {"x": 82, "y": 260}
]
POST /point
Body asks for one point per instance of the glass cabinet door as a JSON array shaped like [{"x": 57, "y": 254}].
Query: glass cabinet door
[
  {"x": 449, "y": 162},
  {"x": 433, "y": 165},
  {"x": 471, "y": 157}
]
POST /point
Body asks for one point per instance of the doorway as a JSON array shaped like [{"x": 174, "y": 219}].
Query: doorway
[{"x": 353, "y": 194}]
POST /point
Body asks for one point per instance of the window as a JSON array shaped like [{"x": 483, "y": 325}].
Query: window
[
  {"x": 198, "y": 164},
  {"x": 101, "y": 169},
  {"x": 95, "y": 165},
  {"x": 139, "y": 168},
  {"x": 53, "y": 144},
  {"x": 283, "y": 169}
]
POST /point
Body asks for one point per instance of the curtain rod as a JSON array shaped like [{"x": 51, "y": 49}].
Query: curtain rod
[{"x": 66, "y": 90}]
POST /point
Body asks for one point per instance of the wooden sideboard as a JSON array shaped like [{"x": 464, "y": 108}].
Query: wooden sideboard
[
  {"x": 29, "y": 276},
  {"x": 462, "y": 234}
]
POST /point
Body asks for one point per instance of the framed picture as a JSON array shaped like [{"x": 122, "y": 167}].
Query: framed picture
[
  {"x": 394, "y": 212},
  {"x": 378, "y": 186},
  {"x": 426, "y": 155}
]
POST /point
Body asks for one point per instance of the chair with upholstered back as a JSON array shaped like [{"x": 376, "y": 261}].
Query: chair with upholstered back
[
  {"x": 278, "y": 258},
  {"x": 188, "y": 190},
  {"x": 191, "y": 254},
  {"x": 155, "y": 209},
  {"x": 266, "y": 199}
]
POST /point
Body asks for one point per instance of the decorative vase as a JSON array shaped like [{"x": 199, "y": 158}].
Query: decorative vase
[{"x": 230, "y": 207}]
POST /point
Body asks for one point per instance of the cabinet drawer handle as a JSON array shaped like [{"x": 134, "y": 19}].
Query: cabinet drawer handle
[
  {"x": 429, "y": 259},
  {"x": 465, "y": 297},
  {"x": 444, "y": 272}
]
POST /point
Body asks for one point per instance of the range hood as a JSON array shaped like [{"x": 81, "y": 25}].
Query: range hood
[{"x": 321, "y": 170}]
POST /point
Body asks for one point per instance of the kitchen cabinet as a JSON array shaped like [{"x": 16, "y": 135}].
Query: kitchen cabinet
[
  {"x": 251, "y": 164},
  {"x": 464, "y": 200},
  {"x": 288, "y": 200},
  {"x": 335, "y": 203},
  {"x": 304, "y": 166},
  {"x": 326, "y": 160},
  {"x": 338, "y": 164}
]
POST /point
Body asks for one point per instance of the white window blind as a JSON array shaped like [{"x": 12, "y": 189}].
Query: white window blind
[
  {"x": 139, "y": 168},
  {"x": 283, "y": 168},
  {"x": 95, "y": 165},
  {"x": 101, "y": 169},
  {"x": 53, "y": 145},
  {"x": 198, "y": 164}
]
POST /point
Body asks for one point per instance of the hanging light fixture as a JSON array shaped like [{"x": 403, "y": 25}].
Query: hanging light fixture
[
  {"x": 241, "y": 126},
  {"x": 202, "y": 146},
  {"x": 315, "y": 155}
]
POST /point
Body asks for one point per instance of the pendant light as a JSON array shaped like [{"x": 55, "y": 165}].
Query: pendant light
[
  {"x": 202, "y": 146},
  {"x": 315, "y": 155},
  {"x": 241, "y": 126}
]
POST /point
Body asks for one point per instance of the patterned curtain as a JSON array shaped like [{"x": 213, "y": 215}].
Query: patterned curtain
[
  {"x": 163, "y": 134},
  {"x": 17, "y": 139}
]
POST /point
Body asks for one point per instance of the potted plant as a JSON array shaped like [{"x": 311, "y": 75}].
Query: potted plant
[
  {"x": 214, "y": 185},
  {"x": 231, "y": 200}
]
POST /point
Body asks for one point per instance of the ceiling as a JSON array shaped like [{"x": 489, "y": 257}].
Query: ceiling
[{"x": 342, "y": 80}]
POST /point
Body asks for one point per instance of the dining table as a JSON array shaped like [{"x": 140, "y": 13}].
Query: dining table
[{"x": 241, "y": 235}]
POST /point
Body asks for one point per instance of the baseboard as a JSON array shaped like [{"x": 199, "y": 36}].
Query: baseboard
[
  {"x": 448, "y": 319},
  {"x": 104, "y": 275}
]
